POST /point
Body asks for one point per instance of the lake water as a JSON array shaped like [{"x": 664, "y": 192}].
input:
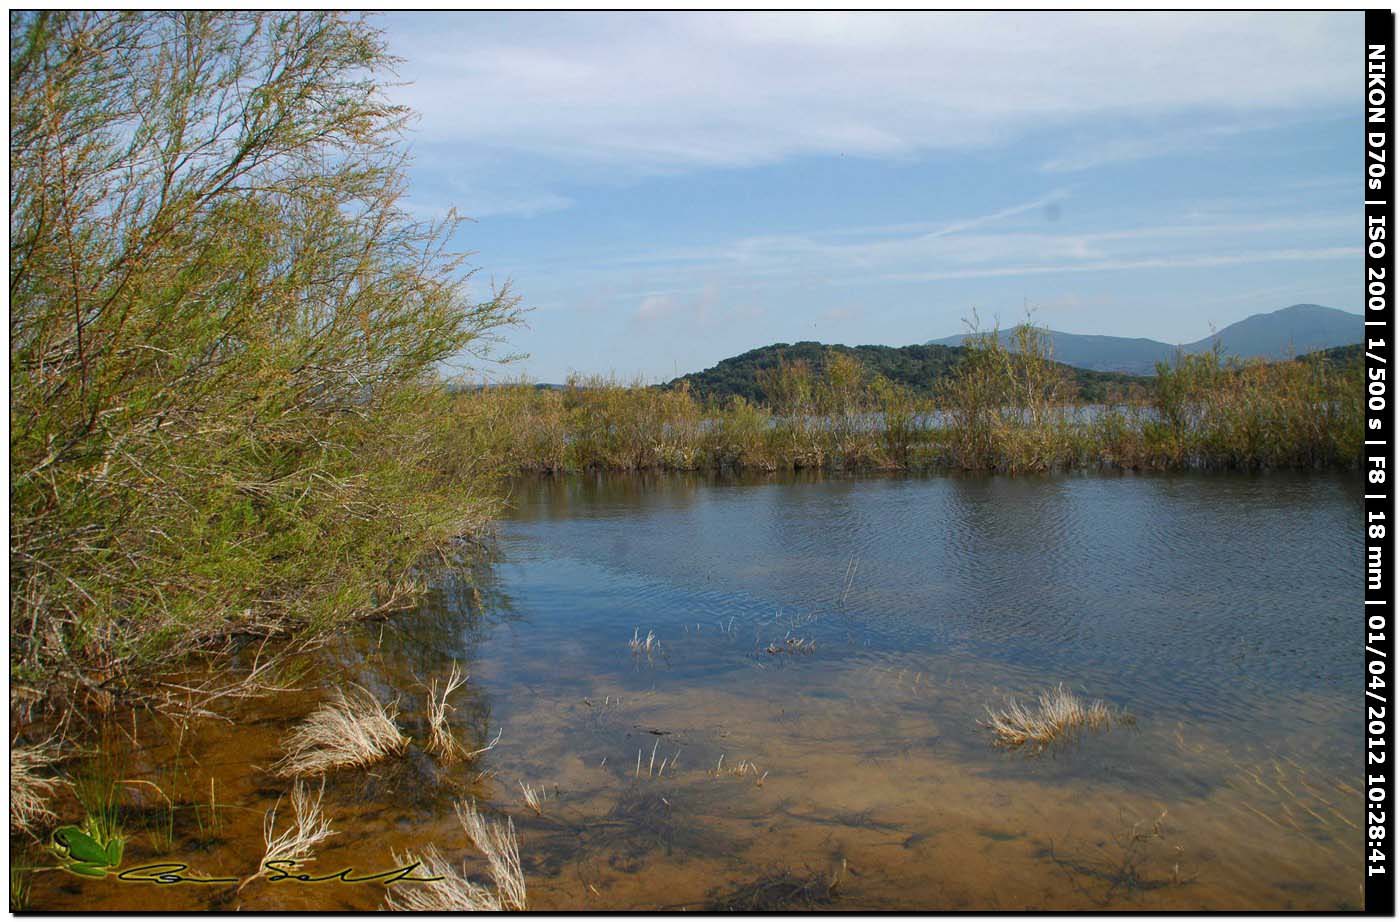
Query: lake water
[{"x": 836, "y": 642}]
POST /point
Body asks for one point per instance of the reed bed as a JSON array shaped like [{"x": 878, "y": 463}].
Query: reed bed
[
  {"x": 352, "y": 730},
  {"x": 1005, "y": 409},
  {"x": 1057, "y": 716}
]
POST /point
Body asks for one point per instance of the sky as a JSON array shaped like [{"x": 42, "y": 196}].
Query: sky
[{"x": 667, "y": 190}]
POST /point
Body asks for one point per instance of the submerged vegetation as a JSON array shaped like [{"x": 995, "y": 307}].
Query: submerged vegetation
[
  {"x": 781, "y": 891},
  {"x": 1007, "y": 408}
]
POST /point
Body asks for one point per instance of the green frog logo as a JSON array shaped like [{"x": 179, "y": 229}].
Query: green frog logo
[{"x": 86, "y": 852}]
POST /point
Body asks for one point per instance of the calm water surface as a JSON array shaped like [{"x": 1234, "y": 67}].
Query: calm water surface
[{"x": 1222, "y": 612}]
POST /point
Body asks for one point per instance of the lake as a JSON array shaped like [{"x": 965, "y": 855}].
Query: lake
[{"x": 825, "y": 651}]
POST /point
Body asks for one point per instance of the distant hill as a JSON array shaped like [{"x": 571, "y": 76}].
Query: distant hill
[
  {"x": 918, "y": 367},
  {"x": 1277, "y": 335}
]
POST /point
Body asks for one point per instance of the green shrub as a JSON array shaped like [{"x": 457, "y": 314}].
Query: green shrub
[{"x": 224, "y": 335}]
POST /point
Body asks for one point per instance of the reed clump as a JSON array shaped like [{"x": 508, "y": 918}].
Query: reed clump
[
  {"x": 639, "y": 644},
  {"x": 533, "y": 797},
  {"x": 652, "y": 769},
  {"x": 743, "y": 769},
  {"x": 297, "y": 843},
  {"x": 30, "y": 787},
  {"x": 453, "y": 891},
  {"x": 351, "y": 730},
  {"x": 791, "y": 646},
  {"x": 440, "y": 738},
  {"x": 1057, "y": 716},
  {"x": 498, "y": 843}
]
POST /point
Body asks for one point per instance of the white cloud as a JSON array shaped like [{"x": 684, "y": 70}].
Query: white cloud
[{"x": 679, "y": 91}]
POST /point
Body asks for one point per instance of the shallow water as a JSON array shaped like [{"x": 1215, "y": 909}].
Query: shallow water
[{"x": 1221, "y": 611}]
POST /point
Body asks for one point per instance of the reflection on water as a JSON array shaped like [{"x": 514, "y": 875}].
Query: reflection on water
[{"x": 1219, "y": 610}]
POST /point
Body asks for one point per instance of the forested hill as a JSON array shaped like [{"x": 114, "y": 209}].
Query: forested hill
[{"x": 917, "y": 367}]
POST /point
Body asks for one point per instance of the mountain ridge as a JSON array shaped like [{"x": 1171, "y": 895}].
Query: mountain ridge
[{"x": 1296, "y": 329}]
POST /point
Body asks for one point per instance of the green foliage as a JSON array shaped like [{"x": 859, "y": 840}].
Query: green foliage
[
  {"x": 224, "y": 329},
  {"x": 1214, "y": 412},
  {"x": 899, "y": 415},
  {"x": 1006, "y": 403},
  {"x": 21, "y": 882}
]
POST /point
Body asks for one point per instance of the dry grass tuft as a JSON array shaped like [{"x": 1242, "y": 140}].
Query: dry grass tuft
[
  {"x": 297, "y": 842},
  {"x": 534, "y": 798},
  {"x": 29, "y": 790},
  {"x": 639, "y": 644},
  {"x": 1058, "y": 716},
  {"x": 498, "y": 844},
  {"x": 352, "y": 730},
  {"x": 653, "y": 770},
  {"x": 744, "y": 769},
  {"x": 453, "y": 892},
  {"x": 440, "y": 738},
  {"x": 791, "y": 646},
  {"x": 488, "y": 747}
]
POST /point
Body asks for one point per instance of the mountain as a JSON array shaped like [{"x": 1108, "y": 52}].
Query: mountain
[
  {"x": 917, "y": 367},
  {"x": 1290, "y": 331}
]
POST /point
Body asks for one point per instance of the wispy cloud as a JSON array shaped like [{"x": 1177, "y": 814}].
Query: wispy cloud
[
  {"x": 1006, "y": 242},
  {"x": 678, "y": 91},
  {"x": 1119, "y": 265},
  {"x": 1113, "y": 150}
]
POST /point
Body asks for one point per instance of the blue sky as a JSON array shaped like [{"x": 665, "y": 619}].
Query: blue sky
[{"x": 668, "y": 190}]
